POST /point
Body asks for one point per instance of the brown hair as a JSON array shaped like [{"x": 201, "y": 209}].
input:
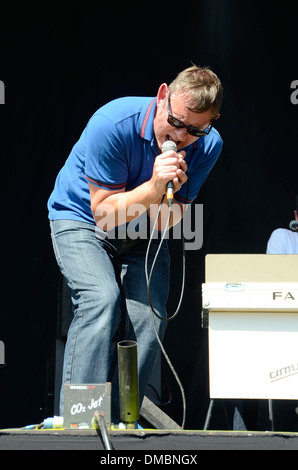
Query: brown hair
[{"x": 200, "y": 87}]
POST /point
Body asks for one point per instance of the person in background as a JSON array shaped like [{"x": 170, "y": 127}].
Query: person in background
[{"x": 285, "y": 241}]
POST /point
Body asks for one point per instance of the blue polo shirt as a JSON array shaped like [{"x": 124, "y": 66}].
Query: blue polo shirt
[{"x": 117, "y": 150}]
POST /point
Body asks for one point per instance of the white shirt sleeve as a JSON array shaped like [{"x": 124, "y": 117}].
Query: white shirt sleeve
[{"x": 282, "y": 241}]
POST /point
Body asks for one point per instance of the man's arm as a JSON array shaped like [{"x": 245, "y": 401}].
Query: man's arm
[{"x": 114, "y": 208}]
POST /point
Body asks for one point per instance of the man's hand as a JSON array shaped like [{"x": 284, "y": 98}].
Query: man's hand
[{"x": 169, "y": 166}]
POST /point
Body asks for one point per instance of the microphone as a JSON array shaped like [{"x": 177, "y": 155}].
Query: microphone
[
  {"x": 169, "y": 145},
  {"x": 293, "y": 225}
]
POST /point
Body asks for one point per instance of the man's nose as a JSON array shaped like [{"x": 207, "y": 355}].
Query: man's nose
[{"x": 181, "y": 133}]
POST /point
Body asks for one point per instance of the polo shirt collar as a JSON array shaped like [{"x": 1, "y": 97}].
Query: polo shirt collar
[{"x": 146, "y": 120}]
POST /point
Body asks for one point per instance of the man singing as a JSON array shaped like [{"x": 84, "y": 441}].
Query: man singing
[{"x": 118, "y": 164}]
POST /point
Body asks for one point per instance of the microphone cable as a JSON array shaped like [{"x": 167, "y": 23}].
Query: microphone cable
[
  {"x": 153, "y": 312},
  {"x": 148, "y": 278}
]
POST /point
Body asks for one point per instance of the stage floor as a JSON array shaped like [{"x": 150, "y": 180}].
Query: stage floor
[{"x": 146, "y": 440}]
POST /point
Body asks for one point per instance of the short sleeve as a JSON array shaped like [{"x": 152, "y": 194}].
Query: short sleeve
[{"x": 276, "y": 243}]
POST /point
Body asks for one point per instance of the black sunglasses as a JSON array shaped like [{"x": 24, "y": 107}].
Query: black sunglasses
[{"x": 190, "y": 129}]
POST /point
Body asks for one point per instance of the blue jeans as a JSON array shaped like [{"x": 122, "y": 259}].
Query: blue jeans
[{"x": 109, "y": 296}]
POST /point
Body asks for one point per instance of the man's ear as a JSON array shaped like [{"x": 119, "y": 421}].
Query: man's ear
[{"x": 162, "y": 94}]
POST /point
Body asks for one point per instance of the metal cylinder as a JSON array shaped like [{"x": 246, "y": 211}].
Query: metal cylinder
[{"x": 128, "y": 381}]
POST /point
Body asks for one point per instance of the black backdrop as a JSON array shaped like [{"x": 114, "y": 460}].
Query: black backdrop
[{"x": 59, "y": 63}]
